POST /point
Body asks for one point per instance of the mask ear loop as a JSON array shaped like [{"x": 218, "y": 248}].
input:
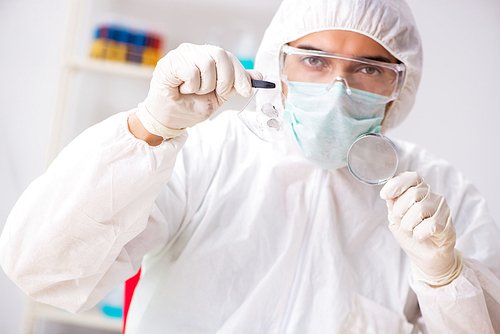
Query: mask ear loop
[{"x": 344, "y": 81}]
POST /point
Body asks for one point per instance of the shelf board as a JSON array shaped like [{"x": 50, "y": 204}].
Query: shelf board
[
  {"x": 129, "y": 70},
  {"x": 92, "y": 318}
]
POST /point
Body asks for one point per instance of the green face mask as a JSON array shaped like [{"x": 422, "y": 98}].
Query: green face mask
[{"x": 326, "y": 125}]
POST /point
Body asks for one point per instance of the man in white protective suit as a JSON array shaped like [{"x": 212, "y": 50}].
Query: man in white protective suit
[{"x": 238, "y": 235}]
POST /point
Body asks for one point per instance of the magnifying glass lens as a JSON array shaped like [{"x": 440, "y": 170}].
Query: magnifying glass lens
[{"x": 373, "y": 159}]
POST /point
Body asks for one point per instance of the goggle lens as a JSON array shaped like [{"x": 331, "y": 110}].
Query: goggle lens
[{"x": 298, "y": 65}]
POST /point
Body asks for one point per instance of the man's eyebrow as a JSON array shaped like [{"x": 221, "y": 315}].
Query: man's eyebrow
[
  {"x": 308, "y": 47},
  {"x": 376, "y": 58}
]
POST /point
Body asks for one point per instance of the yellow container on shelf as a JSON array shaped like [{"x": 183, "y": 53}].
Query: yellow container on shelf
[{"x": 120, "y": 44}]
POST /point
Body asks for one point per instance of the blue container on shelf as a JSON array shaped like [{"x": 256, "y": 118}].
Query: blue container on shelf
[{"x": 112, "y": 304}]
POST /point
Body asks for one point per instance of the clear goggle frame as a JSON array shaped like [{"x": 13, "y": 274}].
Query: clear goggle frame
[{"x": 299, "y": 66}]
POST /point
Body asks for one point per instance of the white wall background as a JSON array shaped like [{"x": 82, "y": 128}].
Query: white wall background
[{"x": 456, "y": 115}]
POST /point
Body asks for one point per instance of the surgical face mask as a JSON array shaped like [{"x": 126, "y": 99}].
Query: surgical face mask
[{"x": 325, "y": 125}]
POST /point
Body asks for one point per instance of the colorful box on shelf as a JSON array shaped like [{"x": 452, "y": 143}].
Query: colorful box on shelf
[{"x": 118, "y": 43}]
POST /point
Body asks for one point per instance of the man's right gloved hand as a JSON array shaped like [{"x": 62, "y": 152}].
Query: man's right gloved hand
[{"x": 189, "y": 84}]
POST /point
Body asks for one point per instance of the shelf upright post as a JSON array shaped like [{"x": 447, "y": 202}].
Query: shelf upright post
[{"x": 67, "y": 72}]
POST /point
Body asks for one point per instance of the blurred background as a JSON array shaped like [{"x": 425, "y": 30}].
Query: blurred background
[{"x": 65, "y": 65}]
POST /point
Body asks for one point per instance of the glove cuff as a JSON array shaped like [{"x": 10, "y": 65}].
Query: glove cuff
[
  {"x": 445, "y": 279},
  {"x": 153, "y": 126}
]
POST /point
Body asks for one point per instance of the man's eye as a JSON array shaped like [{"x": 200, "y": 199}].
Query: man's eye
[
  {"x": 313, "y": 61},
  {"x": 370, "y": 70}
]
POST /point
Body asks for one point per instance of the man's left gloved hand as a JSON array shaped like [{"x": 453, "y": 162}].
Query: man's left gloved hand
[{"x": 420, "y": 220}]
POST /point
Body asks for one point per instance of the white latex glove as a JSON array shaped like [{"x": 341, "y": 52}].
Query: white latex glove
[
  {"x": 420, "y": 220},
  {"x": 189, "y": 84}
]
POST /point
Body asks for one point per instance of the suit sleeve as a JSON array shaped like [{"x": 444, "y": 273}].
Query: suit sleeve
[{"x": 82, "y": 228}]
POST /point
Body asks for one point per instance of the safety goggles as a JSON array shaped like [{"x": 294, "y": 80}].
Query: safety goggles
[{"x": 318, "y": 67}]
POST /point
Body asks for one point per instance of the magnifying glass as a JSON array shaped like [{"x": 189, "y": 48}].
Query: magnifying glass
[{"x": 373, "y": 159}]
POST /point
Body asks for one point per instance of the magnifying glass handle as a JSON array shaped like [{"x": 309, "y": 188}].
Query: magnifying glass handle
[{"x": 263, "y": 84}]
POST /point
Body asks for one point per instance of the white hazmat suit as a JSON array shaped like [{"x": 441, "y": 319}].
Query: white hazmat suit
[{"x": 237, "y": 235}]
